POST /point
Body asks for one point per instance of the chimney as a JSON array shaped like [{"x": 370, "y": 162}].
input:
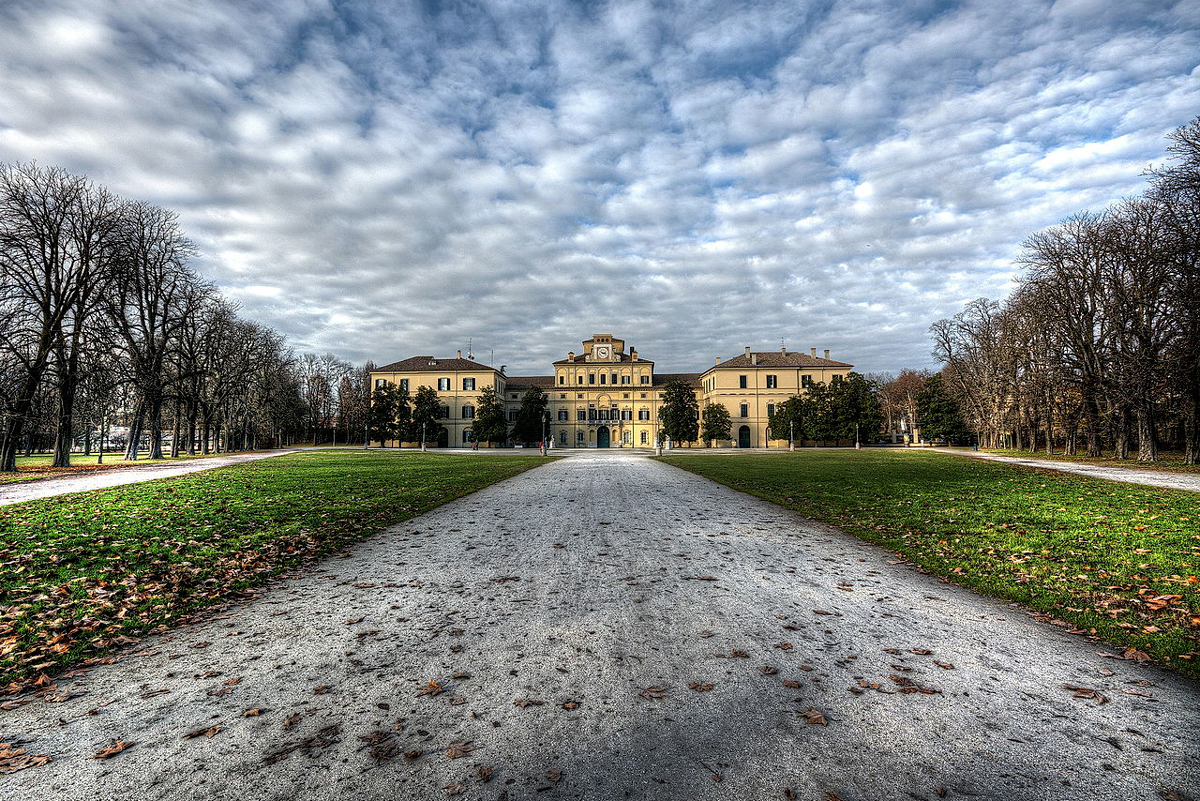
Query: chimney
[
  {"x": 633, "y": 354},
  {"x": 814, "y": 353},
  {"x": 827, "y": 353},
  {"x": 783, "y": 350},
  {"x": 747, "y": 351},
  {"x": 754, "y": 358},
  {"x": 571, "y": 355},
  {"x": 460, "y": 354},
  {"x": 718, "y": 361}
]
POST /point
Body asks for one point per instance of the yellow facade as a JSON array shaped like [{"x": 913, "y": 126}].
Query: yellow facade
[{"x": 607, "y": 396}]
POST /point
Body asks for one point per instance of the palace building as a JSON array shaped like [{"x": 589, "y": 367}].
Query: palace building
[{"x": 608, "y": 397}]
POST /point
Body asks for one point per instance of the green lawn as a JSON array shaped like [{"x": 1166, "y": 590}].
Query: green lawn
[
  {"x": 1113, "y": 559},
  {"x": 1167, "y": 460},
  {"x": 78, "y": 572}
]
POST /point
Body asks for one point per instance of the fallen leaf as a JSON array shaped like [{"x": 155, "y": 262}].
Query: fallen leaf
[
  {"x": 460, "y": 749},
  {"x": 791, "y": 684},
  {"x": 553, "y": 775},
  {"x": 1087, "y": 693},
  {"x": 767, "y": 670},
  {"x": 431, "y": 689},
  {"x": 653, "y": 692},
  {"x": 15, "y": 759},
  {"x": 484, "y": 774},
  {"x": 208, "y": 732},
  {"x": 527, "y": 702},
  {"x": 814, "y": 717},
  {"x": 698, "y": 687},
  {"x": 458, "y": 788},
  {"x": 112, "y": 750}
]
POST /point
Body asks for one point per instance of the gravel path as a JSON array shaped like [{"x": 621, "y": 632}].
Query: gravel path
[
  {"x": 1130, "y": 475},
  {"x": 118, "y": 476},
  {"x": 585, "y": 590}
]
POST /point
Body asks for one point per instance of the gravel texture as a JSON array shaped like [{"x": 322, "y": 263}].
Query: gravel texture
[
  {"x": 127, "y": 473},
  {"x": 1130, "y": 475},
  {"x": 594, "y": 590}
]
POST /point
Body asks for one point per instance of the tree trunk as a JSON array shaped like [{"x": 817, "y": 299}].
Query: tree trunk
[
  {"x": 155, "y": 419},
  {"x": 175, "y": 432},
  {"x": 1191, "y": 427},
  {"x": 135, "y": 433},
  {"x": 1121, "y": 440},
  {"x": 66, "y": 418},
  {"x": 1147, "y": 443}
]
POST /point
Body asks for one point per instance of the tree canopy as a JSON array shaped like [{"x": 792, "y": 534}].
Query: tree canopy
[
  {"x": 532, "y": 417},
  {"x": 679, "y": 412}
]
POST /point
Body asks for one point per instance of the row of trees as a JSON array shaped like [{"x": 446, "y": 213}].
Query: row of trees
[
  {"x": 1100, "y": 343},
  {"x": 844, "y": 409},
  {"x": 397, "y": 415},
  {"x": 104, "y": 323}
]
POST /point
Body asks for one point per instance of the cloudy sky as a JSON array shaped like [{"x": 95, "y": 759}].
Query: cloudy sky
[{"x": 384, "y": 179}]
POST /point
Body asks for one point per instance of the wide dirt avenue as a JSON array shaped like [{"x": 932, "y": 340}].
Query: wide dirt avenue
[{"x": 609, "y": 627}]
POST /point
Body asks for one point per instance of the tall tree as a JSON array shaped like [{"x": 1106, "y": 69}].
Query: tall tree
[
  {"x": 490, "y": 425},
  {"x": 791, "y": 420},
  {"x": 679, "y": 412},
  {"x": 427, "y": 411},
  {"x": 715, "y": 423},
  {"x": 939, "y": 412},
  {"x": 533, "y": 417}
]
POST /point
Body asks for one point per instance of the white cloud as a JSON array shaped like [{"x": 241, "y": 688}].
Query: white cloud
[{"x": 380, "y": 181}]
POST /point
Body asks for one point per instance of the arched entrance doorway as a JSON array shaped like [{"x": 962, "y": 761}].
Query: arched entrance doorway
[
  {"x": 744, "y": 437},
  {"x": 603, "y": 439},
  {"x": 443, "y": 438}
]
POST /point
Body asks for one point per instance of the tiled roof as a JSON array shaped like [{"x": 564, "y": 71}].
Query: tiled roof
[
  {"x": 430, "y": 364},
  {"x": 774, "y": 358},
  {"x": 526, "y": 381},
  {"x": 691, "y": 379}
]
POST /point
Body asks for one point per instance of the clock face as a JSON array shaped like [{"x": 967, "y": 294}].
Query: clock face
[{"x": 603, "y": 352}]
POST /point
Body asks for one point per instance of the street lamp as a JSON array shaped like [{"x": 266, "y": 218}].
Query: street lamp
[
  {"x": 366, "y": 436},
  {"x": 792, "y": 435},
  {"x": 543, "y": 435},
  {"x": 422, "y": 437},
  {"x": 857, "y": 444}
]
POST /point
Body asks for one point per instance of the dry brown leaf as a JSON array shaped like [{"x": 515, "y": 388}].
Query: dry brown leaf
[
  {"x": 460, "y": 749},
  {"x": 814, "y": 717},
  {"x": 207, "y": 732},
  {"x": 112, "y": 750},
  {"x": 700, "y": 688},
  {"x": 526, "y": 702}
]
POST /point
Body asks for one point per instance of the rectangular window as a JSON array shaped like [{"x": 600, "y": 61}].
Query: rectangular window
[
  {"x": 772, "y": 381},
  {"x": 562, "y": 379},
  {"x": 562, "y": 438},
  {"x": 591, "y": 378},
  {"x": 741, "y": 382},
  {"x": 380, "y": 383},
  {"x": 468, "y": 385},
  {"x": 562, "y": 415},
  {"x": 745, "y": 410},
  {"x": 404, "y": 384},
  {"x": 443, "y": 385},
  {"x": 644, "y": 438},
  {"x": 445, "y": 413},
  {"x": 602, "y": 377},
  {"x": 645, "y": 379},
  {"x": 581, "y": 415},
  {"x": 643, "y": 395},
  {"x": 806, "y": 381},
  {"x": 562, "y": 396},
  {"x": 579, "y": 378},
  {"x": 512, "y": 415},
  {"x": 468, "y": 412},
  {"x": 579, "y": 437},
  {"x": 591, "y": 414},
  {"x": 614, "y": 378},
  {"x": 770, "y": 410},
  {"x": 643, "y": 414},
  {"x": 624, "y": 379}
]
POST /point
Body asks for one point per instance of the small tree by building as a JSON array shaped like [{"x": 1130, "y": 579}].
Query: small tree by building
[
  {"x": 427, "y": 411},
  {"x": 532, "y": 417},
  {"x": 939, "y": 414},
  {"x": 490, "y": 425},
  {"x": 381, "y": 417},
  {"x": 715, "y": 423},
  {"x": 791, "y": 419},
  {"x": 679, "y": 413}
]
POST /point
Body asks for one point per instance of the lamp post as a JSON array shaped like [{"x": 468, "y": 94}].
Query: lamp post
[
  {"x": 857, "y": 444},
  {"x": 366, "y": 436},
  {"x": 657, "y": 439},
  {"x": 791, "y": 435},
  {"x": 422, "y": 437},
  {"x": 543, "y": 435}
]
